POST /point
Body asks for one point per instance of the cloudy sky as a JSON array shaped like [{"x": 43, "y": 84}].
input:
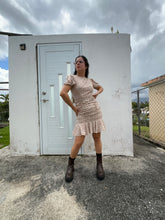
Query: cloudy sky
[{"x": 144, "y": 20}]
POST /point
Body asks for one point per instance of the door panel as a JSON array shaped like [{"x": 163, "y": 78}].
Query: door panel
[{"x": 55, "y": 62}]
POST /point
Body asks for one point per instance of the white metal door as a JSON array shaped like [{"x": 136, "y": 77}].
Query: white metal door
[{"x": 55, "y": 62}]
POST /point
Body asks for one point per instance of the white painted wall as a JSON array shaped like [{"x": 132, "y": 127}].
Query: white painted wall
[{"x": 109, "y": 58}]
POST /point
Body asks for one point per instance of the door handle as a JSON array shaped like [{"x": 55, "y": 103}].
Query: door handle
[
  {"x": 43, "y": 93},
  {"x": 44, "y": 100}
]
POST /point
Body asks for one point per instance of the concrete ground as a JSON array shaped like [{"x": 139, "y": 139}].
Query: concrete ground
[{"x": 34, "y": 187}]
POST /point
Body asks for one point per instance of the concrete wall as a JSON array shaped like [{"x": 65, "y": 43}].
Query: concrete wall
[{"x": 109, "y": 58}]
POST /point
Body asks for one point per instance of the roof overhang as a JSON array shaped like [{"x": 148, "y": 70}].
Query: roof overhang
[
  {"x": 154, "y": 81},
  {"x": 13, "y": 34}
]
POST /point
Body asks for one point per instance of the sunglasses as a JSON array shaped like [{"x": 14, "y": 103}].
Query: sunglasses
[{"x": 79, "y": 61}]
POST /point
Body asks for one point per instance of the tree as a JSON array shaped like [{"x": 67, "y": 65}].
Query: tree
[
  {"x": 4, "y": 107},
  {"x": 143, "y": 105},
  {"x": 5, "y": 98}
]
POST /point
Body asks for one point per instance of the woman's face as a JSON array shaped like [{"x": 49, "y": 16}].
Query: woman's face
[{"x": 80, "y": 64}]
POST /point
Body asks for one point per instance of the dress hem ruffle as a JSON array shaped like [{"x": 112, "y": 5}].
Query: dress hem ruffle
[{"x": 88, "y": 127}]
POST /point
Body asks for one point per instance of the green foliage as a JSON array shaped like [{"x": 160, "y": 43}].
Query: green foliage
[
  {"x": 135, "y": 108},
  {"x": 134, "y": 105},
  {"x": 4, "y": 137},
  {"x": 144, "y": 130},
  {"x": 143, "y": 105},
  {"x": 4, "y": 107},
  {"x": 5, "y": 98}
]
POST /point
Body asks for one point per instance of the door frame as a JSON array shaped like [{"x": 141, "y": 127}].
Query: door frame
[{"x": 38, "y": 45}]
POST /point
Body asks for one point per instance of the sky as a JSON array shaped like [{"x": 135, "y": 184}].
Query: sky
[{"x": 144, "y": 20}]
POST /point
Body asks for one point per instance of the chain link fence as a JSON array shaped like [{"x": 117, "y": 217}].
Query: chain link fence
[
  {"x": 140, "y": 112},
  {"x": 148, "y": 113}
]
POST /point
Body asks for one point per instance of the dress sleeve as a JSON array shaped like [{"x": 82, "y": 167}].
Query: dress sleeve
[
  {"x": 95, "y": 84},
  {"x": 70, "y": 80}
]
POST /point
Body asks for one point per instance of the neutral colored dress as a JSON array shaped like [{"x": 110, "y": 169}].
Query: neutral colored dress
[{"x": 89, "y": 119}]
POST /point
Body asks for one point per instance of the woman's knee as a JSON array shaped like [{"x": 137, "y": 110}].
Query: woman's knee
[
  {"x": 79, "y": 140},
  {"x": 96, "y": 137}
]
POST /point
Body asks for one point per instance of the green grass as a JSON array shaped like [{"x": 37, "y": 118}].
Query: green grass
[
  {"x": 4, "y": 137},
  {"x": 144, "y": 130}
]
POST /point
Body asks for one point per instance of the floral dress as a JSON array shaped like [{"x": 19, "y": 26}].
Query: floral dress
[{"x": 89, "y": 119}]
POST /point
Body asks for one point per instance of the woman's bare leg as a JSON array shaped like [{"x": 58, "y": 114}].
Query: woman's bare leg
[
  {"x": 98, "y": 143},
  {"x": 77, "y": 145}
]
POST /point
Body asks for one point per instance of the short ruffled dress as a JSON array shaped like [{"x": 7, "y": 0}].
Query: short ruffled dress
[{"x": 89, "y": 119}]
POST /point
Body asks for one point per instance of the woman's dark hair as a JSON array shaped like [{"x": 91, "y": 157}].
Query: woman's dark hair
[{"x": 86, "y": 64}]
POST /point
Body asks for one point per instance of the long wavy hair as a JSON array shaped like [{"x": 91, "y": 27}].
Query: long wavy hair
[{"x": 86, "y": 64}]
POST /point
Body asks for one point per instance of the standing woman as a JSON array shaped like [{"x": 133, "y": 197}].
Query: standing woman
[{"x": 88, "y": 113}]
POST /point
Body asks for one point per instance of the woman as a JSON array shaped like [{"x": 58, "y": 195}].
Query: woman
[{"x": 88, "y": 113}]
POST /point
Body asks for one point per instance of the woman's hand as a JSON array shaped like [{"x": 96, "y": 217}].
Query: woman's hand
[
  {"x": 95, "y": 95},
  {"x": 76, "y": 110}
]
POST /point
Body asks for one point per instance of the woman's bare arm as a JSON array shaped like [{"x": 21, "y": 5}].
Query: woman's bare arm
[
  {"x": 100, "y": 90},
  {"x": 97, "y": 87},
  {"x": 64, "y": 94}
]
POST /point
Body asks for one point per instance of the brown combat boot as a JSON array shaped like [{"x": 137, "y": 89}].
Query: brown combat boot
[
  {"x": 99, "y": 168},
  {"x": 70, "y": 170}
]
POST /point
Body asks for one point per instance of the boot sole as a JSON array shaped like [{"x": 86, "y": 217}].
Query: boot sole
[
  {"x": 100, "y": 177},
  {"x": 68, "y": 179}
]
